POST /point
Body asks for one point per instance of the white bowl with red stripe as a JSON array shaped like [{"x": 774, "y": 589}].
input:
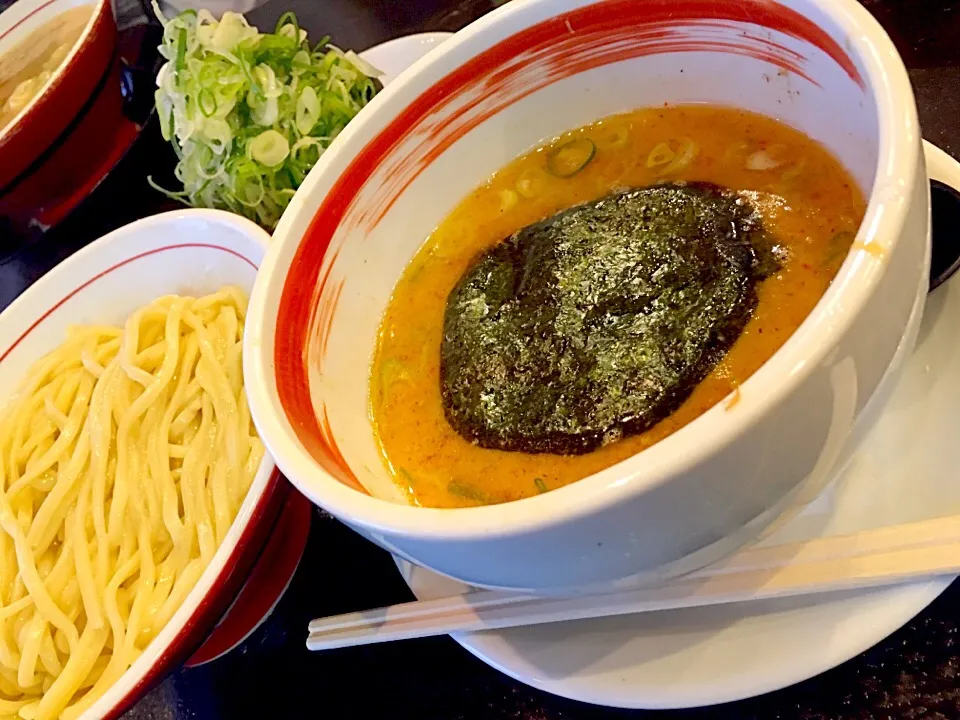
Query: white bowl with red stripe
[
  {"x": 182, "y": 252},
  {"x": 526, "y": 72}
]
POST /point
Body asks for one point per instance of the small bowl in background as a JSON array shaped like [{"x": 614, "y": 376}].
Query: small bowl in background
[{"x": 60, "y": 145}]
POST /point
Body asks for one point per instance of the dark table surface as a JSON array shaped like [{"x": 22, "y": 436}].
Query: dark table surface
[{"x": 913, "y": 674}]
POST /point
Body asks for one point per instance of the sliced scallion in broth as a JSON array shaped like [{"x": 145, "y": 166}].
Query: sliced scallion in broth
[{"x": 571, "y": 157}]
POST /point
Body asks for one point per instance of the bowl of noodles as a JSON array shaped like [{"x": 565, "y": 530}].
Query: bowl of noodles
[
  {"x": 134, "y": 491},
  {"x": 61, "y": 107}
]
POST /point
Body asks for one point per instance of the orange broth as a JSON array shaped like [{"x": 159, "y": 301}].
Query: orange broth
[{"x": 807, "y": 199}]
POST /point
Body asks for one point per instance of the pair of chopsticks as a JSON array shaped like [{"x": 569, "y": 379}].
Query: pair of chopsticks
[{"x": 872, "y": 558}]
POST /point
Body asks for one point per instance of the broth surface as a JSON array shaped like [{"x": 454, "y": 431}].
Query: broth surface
[
  {"x": 808, "y": 202},
  {"x": 26, "y": 68}
]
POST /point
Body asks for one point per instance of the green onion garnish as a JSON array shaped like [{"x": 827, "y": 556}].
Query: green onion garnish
[
  {"x": 571, "y": 157},
  {"x": 181, "y": 49},
  {"x": 250, "y": 113},
  {"x": 467, "y": 492},
  {"x": 207, "y": 101}
]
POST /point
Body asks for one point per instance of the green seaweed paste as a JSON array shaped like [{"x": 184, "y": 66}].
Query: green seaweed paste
[{"x": 598, "y": 322}]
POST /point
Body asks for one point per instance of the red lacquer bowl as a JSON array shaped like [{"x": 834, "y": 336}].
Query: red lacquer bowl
[{"x": 62, "y": 143}]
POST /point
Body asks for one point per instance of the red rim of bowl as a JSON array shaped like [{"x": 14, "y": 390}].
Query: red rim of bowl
[
  {"x": 50, "y": 116},
  {"x": 101, "y": 9}
]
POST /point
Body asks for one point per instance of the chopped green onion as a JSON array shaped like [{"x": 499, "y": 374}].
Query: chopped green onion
[
  {"x": 407, "y": 477},
  {"x": 531, "y": 182},
  {"x": 181, "y": 49},
  {"x": 250, "y": 113},
  {"x": 763, "y": 159},
  {"x": 467, "y": 492},
  {"x": 664, "y": 155},
  {"x": 838, "y": 249},
  {"x": 686, "y": 156},
  {"x": 508, "y": 200},
  {"x": 619, "y": 139},
  {"x": 207, "y": 102},
  {"x": 308, "y": 110},
  {"x": 269, "y": 148},
  {"x": 660, "y": 155},
  {"x": 571, "y": 157},
  {"x": 541, "y": 485},
  {"x": 288, "y": 18}
]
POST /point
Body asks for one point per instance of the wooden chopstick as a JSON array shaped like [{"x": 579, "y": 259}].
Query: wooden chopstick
[{"x": 873, "y": 558}]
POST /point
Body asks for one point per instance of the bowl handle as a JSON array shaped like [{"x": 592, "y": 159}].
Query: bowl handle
[{"x": 944, "y": 173}]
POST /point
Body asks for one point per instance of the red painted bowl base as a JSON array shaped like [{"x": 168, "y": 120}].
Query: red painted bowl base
[
  {"x": 266, "y": 584},
  {"x": 77, "y": 165},
  {"x": 225, "y": 588}
]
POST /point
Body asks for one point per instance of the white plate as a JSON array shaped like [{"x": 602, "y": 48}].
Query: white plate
[
  {"x": 395, "y": 56},
  {"x": 904, "y": 470}
]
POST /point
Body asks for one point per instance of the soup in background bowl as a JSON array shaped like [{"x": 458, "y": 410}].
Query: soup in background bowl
[
  {"x": 62, "y": 124},
  {"x": 509, "y": 83},
  {"x": 27, "y": 68}
]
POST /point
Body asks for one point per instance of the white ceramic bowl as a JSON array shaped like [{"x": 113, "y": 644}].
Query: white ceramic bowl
[
  {"x": 189, "y": 251},
  {"x": 526, "y": 72}
]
